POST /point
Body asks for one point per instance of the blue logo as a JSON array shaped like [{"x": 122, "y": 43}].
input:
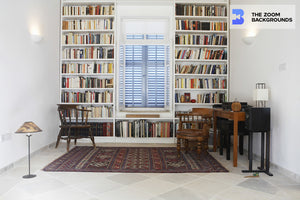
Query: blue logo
[{"x": 239, "y": 13}]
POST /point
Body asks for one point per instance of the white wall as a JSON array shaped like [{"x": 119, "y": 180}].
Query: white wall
[
  {"x": 30, "y": 84},
  {"x": 273, "y": 59},
  {"x": 29, "y": 75}
]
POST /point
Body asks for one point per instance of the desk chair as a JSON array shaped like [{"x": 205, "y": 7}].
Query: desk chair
[
  {"x": 194, "y": 127},
  {"x": 225, "y": 130}
]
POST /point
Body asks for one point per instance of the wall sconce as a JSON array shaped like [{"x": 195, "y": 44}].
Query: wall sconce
[
  {"x": 35, "y": 34},
  {"x": 35, "y": 37},
  {"x": 248, "y": 40},
  {"x": 250, "y": 36}
]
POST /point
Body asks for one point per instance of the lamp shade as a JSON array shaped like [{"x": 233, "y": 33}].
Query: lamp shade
[
  {"x": 261, "y": 95},
  {"x": 28, "y": 127}
]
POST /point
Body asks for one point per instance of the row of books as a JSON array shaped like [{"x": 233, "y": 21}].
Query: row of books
[
  {"x": 87, "y": 68},
  {"x": 201, "y": 10},
  {"x": 201, "y": 83},
  {"x": 211, "y": 97},
  {"x": 100, "y": 111},
  {"x": 86, "y": 82},
  {"x": 88, "y": 24},
  {"x": 95, "y": 112},
  {"x": 193, "y": 39},
  {"x": 87, "y": 97},
  {"x": 103, "y": 129},
  {"x": 87, "y": 38},
  {"x": 88, "y": 10},
  {"x": 201, "y": 69},
  {"x": 217, "y": 97},
  {"x": 88, "y": 53},
  {"x": 98, "y": 129},
  {"x": 143, "y": 129},
  {"x": 201, "y": 53},
  {"x": 200, "y": 25}
]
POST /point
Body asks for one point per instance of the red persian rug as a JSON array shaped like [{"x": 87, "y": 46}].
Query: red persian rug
[{"x": 133, "y": 160}]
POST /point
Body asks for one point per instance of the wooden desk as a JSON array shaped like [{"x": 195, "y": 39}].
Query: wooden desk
[{"x": 236, "y": 117}]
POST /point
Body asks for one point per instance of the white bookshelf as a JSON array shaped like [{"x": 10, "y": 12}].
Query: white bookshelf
[
  {"x": 175, "y": 106},
  {"x": 89, "y": 26},
  {"x": 190, "y": 36}
]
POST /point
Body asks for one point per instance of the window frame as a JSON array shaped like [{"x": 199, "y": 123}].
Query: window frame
[{"x": 166, "y": 42}]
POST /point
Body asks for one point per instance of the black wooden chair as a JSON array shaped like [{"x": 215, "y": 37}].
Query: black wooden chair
[
  {"x": 74, "y": 124},
  {"x": 225, "y": 130}
]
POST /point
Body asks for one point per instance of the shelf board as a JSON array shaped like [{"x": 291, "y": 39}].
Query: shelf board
[
  {"x": 194, "y": 104},
  {"x": 87, "y": 74},
  {"x": 94, "y": 59},
  {"x": 208, "y": 18},
  {"x": 79, "y": 89},
  {"x": 196, "y": 2},
  {"x": 199, "y": 89},
  {"x": 198, "y": 45},
  {"x": 206, "y": 75},
  {"x": 199, "y": 60},
  {"x": 88, "y": 31},
  {"x": 95, "y": 118},
  {"x": 88, "y": 2},
  {"x": 97, "y": 104},
  {"x": 200, "y": 31},
  {"x": 88, "y": 45},
  {"x": 87, "y": 16},
  {"x": 155, "y": 119}
]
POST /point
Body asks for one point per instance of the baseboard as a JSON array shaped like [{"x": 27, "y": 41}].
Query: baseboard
[{"x": 12, "y": 165}]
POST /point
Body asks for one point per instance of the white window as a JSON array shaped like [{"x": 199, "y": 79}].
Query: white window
[{"x": 144, "y": 72}]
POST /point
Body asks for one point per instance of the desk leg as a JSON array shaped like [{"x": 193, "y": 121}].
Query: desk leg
[
  {"x": 250, "y": 150},
  {"x": 215, "y": 134},
  {"x": 235, "y": 139},
  {"x": 262, "y": 154},
  {"x": 260, "y": 169},
  {"x": 268, "y": 154}
]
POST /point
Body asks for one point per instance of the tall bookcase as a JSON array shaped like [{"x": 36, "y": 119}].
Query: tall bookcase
[
  {"x": 201, "y": 53},
  {"x": 87, "y": 67}
]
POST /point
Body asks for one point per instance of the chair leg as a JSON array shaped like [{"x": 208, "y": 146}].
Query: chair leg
[
  {"x": 227, "y": 146},
  {"x": 186, "y": 145},
  {"x": 178, "y": 147},
  {"x": 76, "y": 136},
  {"x": 241, "y": 144},
  {"x": 68, "y": 139},
  {"x": 199, "y": 147},
  {"x": 221, "y": 144},
  {"x": 92, "y": 137},
  {"x": 58, "y": 137}
]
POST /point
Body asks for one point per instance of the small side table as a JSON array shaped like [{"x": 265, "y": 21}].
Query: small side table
[{"x": 258, "y": 120}]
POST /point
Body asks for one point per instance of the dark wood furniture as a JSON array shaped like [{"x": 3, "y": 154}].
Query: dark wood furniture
[
  {"x": 194, "y": 127},
  {"x": 258, "y": 121},
  {"x": 236, "y": 117},
  {"x": 225, "y": 133},
  {"x": 73, "y": 124}
]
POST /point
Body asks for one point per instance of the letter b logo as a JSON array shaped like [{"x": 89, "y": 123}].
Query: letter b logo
[{"x": 238, "y": 16}]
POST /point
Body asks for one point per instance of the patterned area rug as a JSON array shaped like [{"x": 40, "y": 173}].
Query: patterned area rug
[{"x": 133, "y": 160}]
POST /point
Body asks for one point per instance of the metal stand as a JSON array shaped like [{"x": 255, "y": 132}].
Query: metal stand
[
  {"x": 29, "y": 175},
  {"x": 250, "y": 148}
]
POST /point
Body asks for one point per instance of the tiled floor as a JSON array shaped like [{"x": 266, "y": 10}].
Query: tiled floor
[{"x": 136, "y": 186}]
